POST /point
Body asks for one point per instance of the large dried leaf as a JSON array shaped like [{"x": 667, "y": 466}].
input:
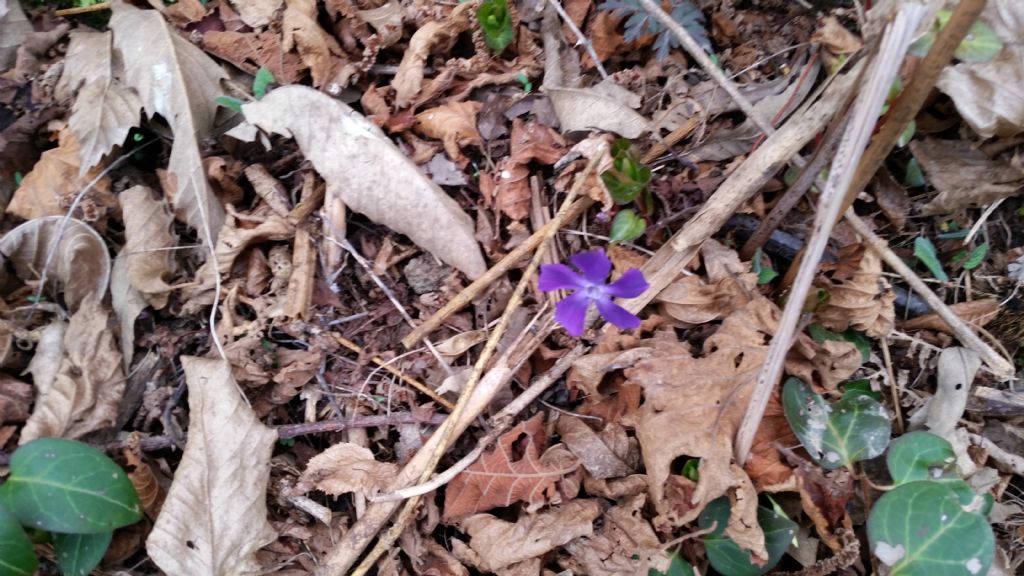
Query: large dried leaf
[
  {"x": 625, "y": 544},
  {"x": 431, "y": 37},
  {"x": 215, "y": 515},
  {"x": 964, "y": 175},
  {"x": 79, "y": 263},
  {"x": 317, "y": 49},
  {"x": 863, "y": 301},
  {"x": 454, "y": 124},
  {"x": 86, "y": 391},
  {"x": 587, "y": 109},
  {"x": 252, "y": 50},
  {"x": 347, "y": 467},
  {"x": 148, "y": 244},
  {"x": 501, "y": 477},
  {"x": 495, "y": 544},
  {"x": 729, "y": 285},
  {"x": 179, "y": 82},
  {"x": 105, "y": 109},
  {"x": 369, "y": 174}
]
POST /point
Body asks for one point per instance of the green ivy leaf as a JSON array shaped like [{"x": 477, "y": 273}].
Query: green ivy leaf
[
  {"x": 627, "y": 226},
  {"x": 66, "y": 486},
  {"x": 78, "y": 554},
  {"x": 855, "y": 428},
  {"x": 228, "y": 102},
  {"x": 16, "y": 555},
  {"x": 677, "y": 567},
  {"x": 496, "y": 24},
  {"x": 922, "y": 529},
  {"x": 726, "y": 556},
  {"x": 862, "y": 387},
  {"x": 929, "y": 256},
  {"x": 976, "y": 257},
  {"x": 260, "y": 83},
  {"x": 921, "y": 456},
  {"x": 765, "y": 273},
  {"x": 980, "y": 45}
]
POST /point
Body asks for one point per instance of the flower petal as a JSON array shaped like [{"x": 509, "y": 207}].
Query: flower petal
[
  {"x": 616, "y": 314},
  {"x": 594, "y": 265},
  {"x": 630, "y": 285},
  {"x": 559, "y": 277},
  {"x": 571, "y": 312}
]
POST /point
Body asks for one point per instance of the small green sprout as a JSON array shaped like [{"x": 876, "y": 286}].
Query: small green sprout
[
  {"x": 261, "y": 81},
  {"x": 496, "y": 24},
  {"x": 925, "y": 251},
  {"x": 762, "y": 266}
]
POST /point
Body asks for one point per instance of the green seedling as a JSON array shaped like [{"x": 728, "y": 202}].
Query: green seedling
[
  {"x": 726, "y": 556},
  {"x": 71, "y": 490},
  {"x": 233, "y": 104},
  {"x": 972, "y": 259},
  {"x": 627, "y": 226},
  {"x": 925, "y": 251},
  {"x": 913, "y": 176},
  {"x": 762, "y": 266},
  {"x": 627, "y": 181},
  {"x": 496, "y": 24},
  {"x": 261, "y": 82}
]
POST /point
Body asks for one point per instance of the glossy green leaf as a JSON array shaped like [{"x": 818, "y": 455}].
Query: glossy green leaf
[
  {"x": 863, "y": 387},
  {"x": 726, "y": 556},
  {"x": 16, "y": 555},
  {"x": 855, "y": 428},
  {"x": 260, "y": 83},
  {"x": 920, "y": 456},
  {"x": 496, "y": 24},
  {"x": 922, "y": 529},
  {"x": 676, "y": 567},
  {"x": 627, "y": 226},
  {"x": 78, "y": 554},
  {"x": 66, "y": 486},
  {"x": 925, "y": 251},
  {"x": 980, "y": 45},
  {"x": 976, "y": 257}
]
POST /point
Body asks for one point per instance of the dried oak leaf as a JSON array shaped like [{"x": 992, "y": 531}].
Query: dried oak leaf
[
  {"x": 863, "y": 301},
  {"x": 729, "y": 285},
  {"x": 454, "y": 124},
  {"x": 530, "y": 142},
  {"x": 501, "y": 477},
  {"x": 964, "y": 175},
  {"x": 215, "y": 515},
  {"x": 181, "y": 83},
  {"x": 430, "y": 37},
  {"x": 317, "y": 49},
  {"x": 149, "y": 241},
  {"x": 251, "y": 50},
  {"x": 496, "y": 544},
  {"x": 344, "y": 468},
  {"x": 625, "y": 544}
]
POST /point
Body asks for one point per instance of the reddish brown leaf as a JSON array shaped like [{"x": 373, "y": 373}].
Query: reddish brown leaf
[
  {"x": 974, "y": 312},
  {"x": 502, "y": 477}
]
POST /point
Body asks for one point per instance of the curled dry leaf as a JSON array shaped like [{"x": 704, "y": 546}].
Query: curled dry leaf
[
  {"x": 430, "y": 37},
  {"x": 181, "y": 83},
  {"x": 496, "y": 544},
  {"x": 625, "y": 544},
  {"x": 15, "y": 398},
  {"x": 79, "y": 263},
  {"x": 105, "y": 109},
  {"x": 500, "y": 478},
  {"x": 148, "y": 243},
  {"x": 317, "y": 49},
  {"x": 964, "y": 175},
  {"x": 369, "y": 174},
  {"x": 863, "y": 301},
  {"x": 86, "y": 391},
  {"x": 256, "y": 13},
  {"x": 730, "y": 285},
  {"x": 530, "y": 142},
  {"x": 454, "y": 124},
  {"x": 347, "y": 467},
  {"x": 215, "y": 515},
  {"x": 386, "y": 19}
]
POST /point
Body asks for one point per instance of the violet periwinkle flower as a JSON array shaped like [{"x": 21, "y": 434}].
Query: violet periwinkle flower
[{"x": 589, "y": 284}]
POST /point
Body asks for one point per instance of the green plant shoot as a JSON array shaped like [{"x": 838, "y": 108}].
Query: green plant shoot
[{"x": 496, "y": 24}]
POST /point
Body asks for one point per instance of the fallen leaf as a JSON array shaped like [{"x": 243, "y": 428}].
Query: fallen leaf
[
  {"x": 602, "y": 454},
  {"x": 79, "y": 264},
  {"x": 625, "y": 544},
  {"x": 430, "y": 37},
  {"x": 454, "y": 124},
  {"x": 215, "y": 515},
  {"x": 964, "y": 175},
  {"x": 496, "y": 544},
  {"x": 729, "y": 286},
  {"x": 256, "y": 13},
  {"x": 127, "y": 303},
  {"x": 835, "y": 38},
  {"x": 891, "y": 197},
  {"x": 181, "y": 83},
  {"x": 386, "y": 20},
  {"x": 317, "y": 49},
  {"x": 15, "y": 398},
  {"x": 863, "y": 301},
  {"x": 55, "y": 180},
  {"x": 501, "y": 478},
  {"x": 974, "y": 312},
  {"x": 148, "y": 244},
  {"x": 585, "y": 109},
  {"x": 14, "y": 27},
  {"x": 461, "y": 343},
  {"x": 86, "y": 391},
  {"x": 105, "y": 109},
  {"x": 369, "y": 174},
  {"x": 347, "y": 467}
]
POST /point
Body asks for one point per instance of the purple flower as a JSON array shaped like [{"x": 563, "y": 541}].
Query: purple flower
[{"x": 590, "y": 287}]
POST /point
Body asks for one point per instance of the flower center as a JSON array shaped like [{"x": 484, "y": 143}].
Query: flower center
[{"x": 594, "y": 291}]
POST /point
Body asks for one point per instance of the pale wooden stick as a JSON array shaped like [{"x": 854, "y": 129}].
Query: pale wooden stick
[
  {"x": 872, "y": 96},
  {"x": 394, "y": 371}
]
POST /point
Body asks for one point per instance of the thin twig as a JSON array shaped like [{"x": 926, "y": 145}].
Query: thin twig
[
  {"x": 394, "y": 371},
  {"x": 698, "y": 54},
  {"x": 447, "y": 432},
  {"x": 97, "y": 7},
  {"x": 893, "y": 388},
  {"x": 580, "y": 38}
]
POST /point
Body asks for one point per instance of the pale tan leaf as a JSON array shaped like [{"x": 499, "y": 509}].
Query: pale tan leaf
[
  {"x": 964, "y": 175},
  {"x": 14, "y": 27},
  {"x": 625, "y": 544},
  {"x": 317, "y": 49},
  {"x": 431, "y": 37},
  {"x": 386, "y": 20},
  {"x": 461, "y": 343},
  {"x": 585, "y": 109},
  {"x": 975, "y": 312},
  {"x": 127, "y": 303},
  {"x": 215, "y": 515},
  {"x": 864, "y": 301},
  {"x": 179, "y": 82},
  {"x": 601, "y": 458},
  {"x": 49, "y": 353},
  {"x": 148, "y": 244},
  {"x": 347, "y": 467},
  {"x": 256, "y": 13},
  {"x": 454, "y": 124},
  {"x": 369, "y": 174},
  {"x": 496, "y": 544},
  {"x": 86, "y": 392},
  {"x": 79, "y": 263}
]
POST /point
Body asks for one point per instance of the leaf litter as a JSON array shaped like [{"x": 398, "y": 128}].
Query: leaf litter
[{"x": 389, "y": 168}]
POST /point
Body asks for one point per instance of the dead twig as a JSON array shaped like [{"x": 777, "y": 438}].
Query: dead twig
[
  {"x": 97, "y": 7},
  {"x": 394, "y": 371}
]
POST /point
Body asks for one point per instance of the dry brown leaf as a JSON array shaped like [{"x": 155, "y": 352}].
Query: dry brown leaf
[
  {"x": 369, "y": 174},
  {"x": 729, "y": 286},
  {"x": 386, "y": 20},
  {"x": 148, "y": 244},
  {"x": 181, "y": 83},
  {"x": 454, "y": 124},
  {"x": 299, "y": 296},
  {"x": 430, "y": 37},
  {"x": 625, "y": 544},
  {"x": 14, "y": 27},
  {"x": 151, "y": 493},
  {"x": 85, "y": 393},
  {"x": 586, "y": 109},
  {"x": 54, "y": 181},
  {"x": 964, "y": 175},
  {"x": 603, "y": 454},
  {"x": 511, "y": 189},
  {"x": 863, "y": 301},
  {"x": 251, "y": 50},
  {"x": 461, "y": 343},
  {"x": 15, "y": 398},
  {"x": 215, "y": 515},
  {"x": 835, "y": 38},
  {"x": 256, "y": 13},
  {"x": 496, "y": 544},
  {"x": 347, "y": 467},
  {"x": 500, "y": 478},
  {"x": 974, "y": 312},
  {"x": 891, "y": 197},
  {"x": 317, "y": 49},
  {"x": 79, "y": 264},
  {"x": 127, "y": 303}
]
